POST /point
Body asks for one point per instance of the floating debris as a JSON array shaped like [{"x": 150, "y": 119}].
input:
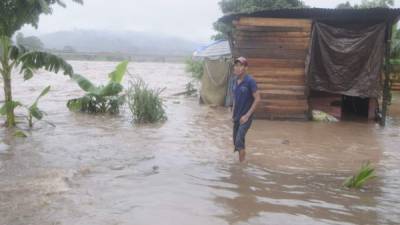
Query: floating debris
[{"x": 323, "y": 116}]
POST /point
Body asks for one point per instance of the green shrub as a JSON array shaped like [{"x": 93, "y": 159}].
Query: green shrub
[
  {"x": 145, "y": 104},
  {"x": 195, "y": 68}
]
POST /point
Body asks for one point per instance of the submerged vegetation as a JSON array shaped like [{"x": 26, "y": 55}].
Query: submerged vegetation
[
  {"x": 364, "y": 174},
  {"x": 14, "y": 15},
  {"x": 145, "y": 103},
  {"x": 103, "y": 98},
  {"x": 34, "y": 111},
  {"x": 195, "y": 68},
  {"x": 190, "y": 89},
  {"x": 16, "y": 56}
]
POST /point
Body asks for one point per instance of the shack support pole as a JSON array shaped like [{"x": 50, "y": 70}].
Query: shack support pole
[{"x": 387, "y": 68}]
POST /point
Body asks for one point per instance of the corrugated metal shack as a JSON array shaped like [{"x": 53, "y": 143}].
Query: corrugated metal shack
[{"x": 311, "y": 58}]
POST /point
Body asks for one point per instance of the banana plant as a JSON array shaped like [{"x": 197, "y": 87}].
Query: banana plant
[
  {"x": 34, "y": 111},
  {"x": 14, "y": 14},
  {"x": 102, "y": 98},
  {"x": 16, "y": 56}
]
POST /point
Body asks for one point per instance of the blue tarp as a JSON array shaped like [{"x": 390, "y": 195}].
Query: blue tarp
[{"x": 215, "y": 50}]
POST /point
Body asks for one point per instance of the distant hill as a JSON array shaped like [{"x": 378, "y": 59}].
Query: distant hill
[{"x": 125, "y": 42}]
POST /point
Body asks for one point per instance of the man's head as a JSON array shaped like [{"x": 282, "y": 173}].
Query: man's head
[{"x": 240, "y": 66}]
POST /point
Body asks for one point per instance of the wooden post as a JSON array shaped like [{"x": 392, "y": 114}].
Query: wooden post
[
  {"x": 231, "y": 39},
  {"x": 231, "y": 60},
  {"x": 386, "y": 86},
  {"x": 372, "y": 106}
]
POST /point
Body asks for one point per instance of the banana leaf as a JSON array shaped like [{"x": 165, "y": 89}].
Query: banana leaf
[
  {"x": 118, "y": 74},
  {"x": 111, "y": 89},
  {"x": 34, "y": 110},
  {"x": 85, "y": 84}
]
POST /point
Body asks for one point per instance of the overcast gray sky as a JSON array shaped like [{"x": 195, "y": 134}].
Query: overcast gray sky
[{"x": 188, "y": 19}]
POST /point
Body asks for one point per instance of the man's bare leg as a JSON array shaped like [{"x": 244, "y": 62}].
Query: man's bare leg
[{"x": 242, "y": 155}]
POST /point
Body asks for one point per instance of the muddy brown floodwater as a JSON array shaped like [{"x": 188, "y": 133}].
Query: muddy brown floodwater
[{"x": 103, "y": 170}]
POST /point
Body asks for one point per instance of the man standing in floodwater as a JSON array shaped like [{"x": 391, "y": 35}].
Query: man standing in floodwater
[{"x": 245, "y": 101}]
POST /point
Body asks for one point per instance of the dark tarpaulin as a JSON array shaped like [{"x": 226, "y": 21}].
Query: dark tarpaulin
[{"x": 347, "y": 59}]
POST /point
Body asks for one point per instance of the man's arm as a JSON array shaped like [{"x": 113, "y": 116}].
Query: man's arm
[
  {"x": 257, "y": 99},
  {"x": 253, "y": 107}
]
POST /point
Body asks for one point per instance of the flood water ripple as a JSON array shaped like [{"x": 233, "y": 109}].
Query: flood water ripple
[{"x": 105, "y": 170}]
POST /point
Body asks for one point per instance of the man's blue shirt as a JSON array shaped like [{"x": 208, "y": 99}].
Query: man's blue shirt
[{"x": 243, "y": 96}]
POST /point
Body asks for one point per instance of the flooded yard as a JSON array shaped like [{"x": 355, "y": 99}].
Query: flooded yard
[{"x": 105, "y": 170}]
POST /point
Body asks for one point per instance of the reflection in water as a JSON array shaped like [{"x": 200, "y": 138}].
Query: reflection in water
[
  {"x": 307, "y": 198},
  {"x": 105, "y": 170}
]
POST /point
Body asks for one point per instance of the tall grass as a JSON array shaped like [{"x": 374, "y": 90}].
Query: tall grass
[
  {"x": 364, "y": 174},
  {"x": 145, "y": 104}
]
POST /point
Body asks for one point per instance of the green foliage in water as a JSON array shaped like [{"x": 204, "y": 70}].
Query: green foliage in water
[
  {"x": 190, "y": 89},
  {"x": 103, "y": 98},
  {"x": 14, "y": 14},
  {"x": 27, "y": 62},
  {"x": 366, "y": 173},
  {"x": 195, "y": 68},
  {"x": 34, "y": 111},
  {"x": 145, "y": 104}
]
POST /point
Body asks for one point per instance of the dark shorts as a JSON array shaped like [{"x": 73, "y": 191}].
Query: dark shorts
[{"x": 239, "y": 134}]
